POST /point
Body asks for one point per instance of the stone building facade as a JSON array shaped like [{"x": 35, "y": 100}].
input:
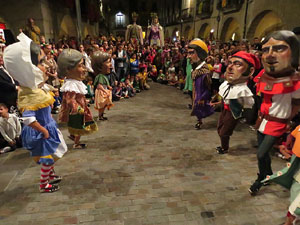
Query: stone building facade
[
  {"x": 227, "y": 19},
  {"x": 55, "y": 18}
]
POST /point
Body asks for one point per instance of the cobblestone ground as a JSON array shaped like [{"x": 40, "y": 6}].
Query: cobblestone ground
[{"x": 146, "y": 165}]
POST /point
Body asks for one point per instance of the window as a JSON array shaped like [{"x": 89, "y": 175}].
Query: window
[{"x": 120, "y": 19}]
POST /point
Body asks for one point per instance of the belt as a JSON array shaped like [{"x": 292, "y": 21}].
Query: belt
[{"x": 272, "y": 118}]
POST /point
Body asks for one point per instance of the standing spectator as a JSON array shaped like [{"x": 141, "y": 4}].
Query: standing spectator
[
  {"x": 216, "y": 75},
  {"x": 134, "y": 67},
  {"x": 121, "y": 62}
]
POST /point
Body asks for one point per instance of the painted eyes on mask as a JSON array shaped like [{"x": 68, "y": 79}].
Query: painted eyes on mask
[{"x": 275, "y": 48}]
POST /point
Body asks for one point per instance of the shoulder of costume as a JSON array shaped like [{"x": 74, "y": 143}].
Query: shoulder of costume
[
  {"x": 282, "y": 85},
  {"x": 72, "y": 85}
]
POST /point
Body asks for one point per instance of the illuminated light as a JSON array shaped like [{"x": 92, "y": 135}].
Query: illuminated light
[
  {"x": 262, "y": 39},
  {"x": 233, "y": 36},
  {"x": 177, "y": 33},
  {"x": 212, "y": 30}
]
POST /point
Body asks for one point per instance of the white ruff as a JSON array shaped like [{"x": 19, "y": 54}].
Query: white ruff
[
  {"x": 236, "y": 91},
  {"x": 72, "y": 85}
]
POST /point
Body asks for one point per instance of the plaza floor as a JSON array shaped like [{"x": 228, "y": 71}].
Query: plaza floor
[{"x": 146, "y": 165}]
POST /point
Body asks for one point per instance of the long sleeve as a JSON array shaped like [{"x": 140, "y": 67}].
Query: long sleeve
[
  {"x": 18, "y": 126},
  {"x": 4, "y": 135}
]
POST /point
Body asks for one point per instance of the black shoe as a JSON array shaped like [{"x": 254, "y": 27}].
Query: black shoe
[
  {"x": 254, "y": 188},
  {"x": 103, "y": 118},
  {"x": 198, "y": 126},
  {"x": 221, "y": 151}
]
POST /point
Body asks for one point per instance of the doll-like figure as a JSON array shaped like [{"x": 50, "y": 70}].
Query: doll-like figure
[
  {"x": 74, "y": 109},
  {"x": 101, "y": 63},
  {"x": 279, "y": 86},
  {"x": 235, "y": 95},
  {"x": 25, "y": 61},
  {"x": 134, "y": 32},
  {"x": 155, "y": 33}
]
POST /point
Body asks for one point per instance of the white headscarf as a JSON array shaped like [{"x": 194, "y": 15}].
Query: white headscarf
[{"x": 17, "y": 61}]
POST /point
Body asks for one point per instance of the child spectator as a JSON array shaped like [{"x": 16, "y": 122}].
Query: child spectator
[
  {"x": 10, "y": 129},
  {"x": 153, "y": 73},
  {"x": 117, "y": 91},
  {"x": 129, "y": 87},
  {"x": 181, "y": 80},
  {"x": 161, "y": 78},
  {"x": 90, "y": 90},
  {"x": 142, "y": 76},
  {"x": 57, "y": 102},
  {"x": 172, "y": 78}
]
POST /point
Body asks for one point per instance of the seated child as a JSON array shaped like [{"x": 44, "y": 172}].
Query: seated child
[
  {"x": 172, "y": 79},
  {"x": 161, "y": 78},
  {"x": 181, "y": 80},
  {"x": 153, "y": 73},
  {"x": 131, "y": 90},
  {"x": 10, "y": 129},
  {"x": 142, "y": 77},
  {"x": 117, "y": 91}
]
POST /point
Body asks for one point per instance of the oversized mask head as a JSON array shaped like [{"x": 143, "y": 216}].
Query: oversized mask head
[
  {"x": 240, "y": 67},
  {"x": 71, "y": 65},
  {"x": 280, "y": 53},
  {"x": 101, "y": 62},
  {"x": 24, "y": 61}
]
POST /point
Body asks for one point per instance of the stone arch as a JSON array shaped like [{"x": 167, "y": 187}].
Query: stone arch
[
  {"x": 67, "y": 27},
  {"x": 263, "y": 24},
  {"x": 188, "y": 33},
  {"x": 174, "y": 32},
  {"x": 230, "y": 27},
  {"x": 167, "y": 34},
  {"x": 204, "y": 31}
]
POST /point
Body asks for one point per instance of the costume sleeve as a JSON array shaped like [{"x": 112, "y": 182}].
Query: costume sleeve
[
  {"x": 247, "y": 102},
  {"x": 295, "y": 131},
  {"x": 18, "y": 126},
  {"x": 28, "y": 117}
]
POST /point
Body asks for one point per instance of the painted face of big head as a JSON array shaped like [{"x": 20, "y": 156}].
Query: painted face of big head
[
  {"x": 101, "y": 62},
  {"x": 277, "y": 58},
  {"x": 280, "y": 54},
  {"x": 71, "y": 65},
  {"x": 238, "y": 71},
  {"x": 78, "y": 72}
]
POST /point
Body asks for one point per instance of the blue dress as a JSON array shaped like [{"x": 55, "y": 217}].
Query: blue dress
[{"x": 48, "y": 150}]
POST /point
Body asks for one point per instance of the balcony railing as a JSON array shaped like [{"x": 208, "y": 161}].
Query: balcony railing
[
  {"x": 230, "y": 6},
  {"x": 204, "y": 8},
  {"x": 187, "y": 14}
]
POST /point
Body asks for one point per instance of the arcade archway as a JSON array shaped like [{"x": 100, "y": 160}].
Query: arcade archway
[
  {"x": 188, "y": 33},
  {"x": 231, "y": 30},
  {"x": 263, "y": 24},
  {"x": 204, "y": 32},
  {"x": 67, "y": 27}
]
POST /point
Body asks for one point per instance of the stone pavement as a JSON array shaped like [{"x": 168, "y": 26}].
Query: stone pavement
[{"x": 146, "y": 165}]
